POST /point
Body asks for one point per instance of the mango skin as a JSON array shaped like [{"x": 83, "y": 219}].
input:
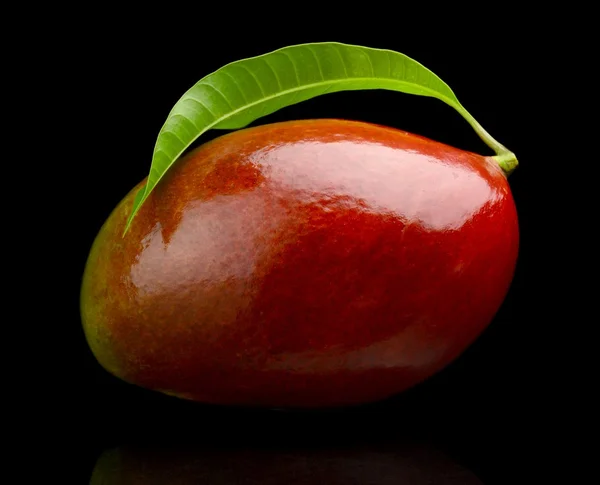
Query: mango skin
[{"x": 302, "y": 264}]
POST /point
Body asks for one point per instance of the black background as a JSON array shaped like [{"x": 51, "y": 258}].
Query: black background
[{"x": 484, "y": 411}]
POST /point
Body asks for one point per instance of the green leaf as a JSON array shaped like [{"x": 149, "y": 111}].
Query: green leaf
[{"x": 243, "y": 91}]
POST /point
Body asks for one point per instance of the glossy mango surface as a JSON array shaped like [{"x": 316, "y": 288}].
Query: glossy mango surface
[{"x": 302, "y": 264}]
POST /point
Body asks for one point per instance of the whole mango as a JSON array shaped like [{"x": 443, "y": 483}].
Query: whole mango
[{"x": 308, "y": 263}]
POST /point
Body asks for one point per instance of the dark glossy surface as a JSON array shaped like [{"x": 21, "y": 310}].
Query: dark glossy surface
[
  {"x": 376, "y": 465},
  {"x": 311, "y": 263}
]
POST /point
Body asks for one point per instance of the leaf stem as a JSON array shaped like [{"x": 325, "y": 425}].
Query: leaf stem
[{"x": 506, "y": 159}]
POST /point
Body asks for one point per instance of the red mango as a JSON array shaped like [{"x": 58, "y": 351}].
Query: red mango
[{"x": 310, "y": 263}]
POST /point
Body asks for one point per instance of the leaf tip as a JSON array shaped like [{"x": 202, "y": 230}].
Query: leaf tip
[{"x": 137, "y": 202}]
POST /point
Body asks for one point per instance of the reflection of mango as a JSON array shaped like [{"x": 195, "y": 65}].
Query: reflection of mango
[
  {"x": 308, "y": 263},
  {"x": 406, "y": 465}
]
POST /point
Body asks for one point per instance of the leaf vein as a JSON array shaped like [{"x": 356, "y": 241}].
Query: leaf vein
[
  {"x": 279, "y": 85},
  {"x": 318, "y": 63},
  {"x": 336, "y": 49},
  {"x": 294, "y": 67},
  {"x": 236, "y": 85},
  {"x": 262, "y": 91},
  {"x": 205, "y": 83},
  {"x": 201, "y": 103}
]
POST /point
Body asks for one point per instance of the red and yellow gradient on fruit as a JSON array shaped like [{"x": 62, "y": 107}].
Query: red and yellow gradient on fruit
[{"x": 302, "y": 264}]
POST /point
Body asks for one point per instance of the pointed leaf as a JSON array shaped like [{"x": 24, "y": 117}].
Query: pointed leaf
[{"x": 243, "y": 91}]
